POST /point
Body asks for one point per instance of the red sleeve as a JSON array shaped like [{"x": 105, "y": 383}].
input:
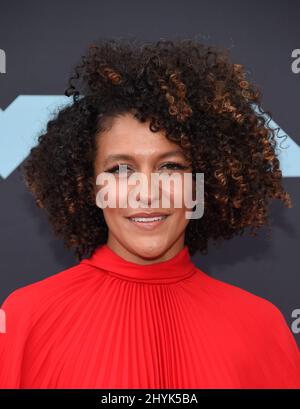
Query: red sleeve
[{"x": 12, "y": 341}]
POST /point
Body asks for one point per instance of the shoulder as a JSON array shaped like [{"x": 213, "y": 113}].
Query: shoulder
[
  {"x": 243, "y": 304},
  {"x": 28, "y": 299},
  {"x": 254, "y": 318}
]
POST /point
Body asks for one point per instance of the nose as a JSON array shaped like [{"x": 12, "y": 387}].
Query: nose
[{"x": 149, "y": 192}]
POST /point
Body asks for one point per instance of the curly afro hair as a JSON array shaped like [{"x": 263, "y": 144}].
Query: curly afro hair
[{"x": 204, "y": 103}]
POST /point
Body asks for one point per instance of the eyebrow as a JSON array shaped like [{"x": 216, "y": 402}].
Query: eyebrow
[{"x": 164, "y": 155}]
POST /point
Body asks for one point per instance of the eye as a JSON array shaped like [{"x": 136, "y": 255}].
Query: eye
[
  {"x": 169, "y": 166},
  {"x": 175, "y": 165},
  {"x": 115, "y": 169}
]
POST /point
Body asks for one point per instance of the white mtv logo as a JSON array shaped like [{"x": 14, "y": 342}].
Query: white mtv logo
[{"x": 33, "y": 112}]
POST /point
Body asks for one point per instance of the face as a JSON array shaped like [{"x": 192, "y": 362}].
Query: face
[{"x": 130, "y": 142}]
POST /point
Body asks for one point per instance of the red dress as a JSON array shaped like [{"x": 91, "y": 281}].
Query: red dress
[{"x": 110, "y": 323}]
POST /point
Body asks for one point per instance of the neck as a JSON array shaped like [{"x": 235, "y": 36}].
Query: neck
[{"x": 176, "y": 268}]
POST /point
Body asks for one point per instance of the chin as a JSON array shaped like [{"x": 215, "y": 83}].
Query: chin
[{"x": 150, "y": 250}]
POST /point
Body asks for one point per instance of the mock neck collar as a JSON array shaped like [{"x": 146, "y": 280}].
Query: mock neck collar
[{"x": 175, "y": 269}]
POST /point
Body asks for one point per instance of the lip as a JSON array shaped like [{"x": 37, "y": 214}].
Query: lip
[
  {"x": 148, "y": 225},
  {"x": 145, "y": 214}
]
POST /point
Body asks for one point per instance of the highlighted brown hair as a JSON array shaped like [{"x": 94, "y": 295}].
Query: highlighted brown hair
[{"x": 202, "y": 101}]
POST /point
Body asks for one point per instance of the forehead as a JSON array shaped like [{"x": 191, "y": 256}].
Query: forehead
[{"x": 126, "y": 134}]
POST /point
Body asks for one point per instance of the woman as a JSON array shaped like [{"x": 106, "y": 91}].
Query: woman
[{"x": 135, "y": 312}]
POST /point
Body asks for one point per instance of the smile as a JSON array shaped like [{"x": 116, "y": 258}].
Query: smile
[
  {"x": 147, "y": 219},
  {"x": 148, "y": 223}
]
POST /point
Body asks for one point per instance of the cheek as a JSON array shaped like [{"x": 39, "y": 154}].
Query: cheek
[
  {"x": 109, "y": 194},
  {"x": 182, "y": 193},
  {"x": 113, "y": 218}
]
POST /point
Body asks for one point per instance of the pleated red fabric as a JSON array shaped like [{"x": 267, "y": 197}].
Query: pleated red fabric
[{"x": 110, "y": 323}]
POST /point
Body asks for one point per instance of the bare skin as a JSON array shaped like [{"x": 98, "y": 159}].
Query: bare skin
[{"x": 128, "y": 136}]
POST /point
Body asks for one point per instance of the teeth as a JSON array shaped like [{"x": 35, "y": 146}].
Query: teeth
[{"x": 147, "y": 219}]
